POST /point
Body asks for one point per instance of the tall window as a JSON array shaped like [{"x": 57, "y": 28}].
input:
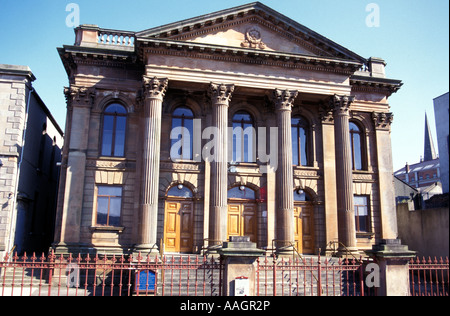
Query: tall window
[
  {"x": 244, "y": 138},
  {"x": 114, "y": 127},
  {"x": 300, "y": 131},
  {"x": 356, "y": 137},
  {"x": 182, "y": 134},
  {"x": 109, "y": 206},
  {"x": 362, "y": 219}
]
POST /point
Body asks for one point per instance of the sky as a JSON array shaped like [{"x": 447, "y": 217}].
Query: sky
[{"x": 411, "y": 35}]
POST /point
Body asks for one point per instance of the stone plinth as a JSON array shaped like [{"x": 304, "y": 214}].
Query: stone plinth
[
  {"x": 239, "y": 257},
  {"x": 393, "y": 260}
]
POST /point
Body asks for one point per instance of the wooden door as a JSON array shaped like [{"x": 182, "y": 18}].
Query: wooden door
[
  {"x": 242, "y": 220},
  {"x": 304, "y": 228},
  {"x": 178, "y": 227}
]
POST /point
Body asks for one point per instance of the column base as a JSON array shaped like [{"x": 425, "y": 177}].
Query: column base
[{"x": 146, "y": 250}]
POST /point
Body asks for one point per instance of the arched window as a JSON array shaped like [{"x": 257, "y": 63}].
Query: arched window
[
  {"x": 356, "y": 141},
  {"x": 300, "y": 141},
  {"x": 114, "y": 129},
  {"x": 182, "y": 134},
  {"x": 242, "y": 192},
  {"x": 244, "y": 138},
  {"x": 180, "y": 191}
]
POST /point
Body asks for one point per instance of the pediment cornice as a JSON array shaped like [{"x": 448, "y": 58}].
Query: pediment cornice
[{"x": 252, "y": 13}]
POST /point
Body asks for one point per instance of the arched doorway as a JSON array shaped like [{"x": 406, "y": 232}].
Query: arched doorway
[
  {"x": 179, "y": 220},
  {"x": 303, "y": 222},
  {"x": 242, "y": 213}
]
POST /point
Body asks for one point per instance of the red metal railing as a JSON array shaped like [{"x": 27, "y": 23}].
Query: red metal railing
[
  {"x": 314, "y": 276},
  {"x": 429, "y": 277},
  {"x": 98, "y": 275}
]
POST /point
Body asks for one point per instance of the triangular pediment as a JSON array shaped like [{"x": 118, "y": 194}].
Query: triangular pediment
[
  {"x": 254, "y": 35},
  {"x": 253, "y": 26}
]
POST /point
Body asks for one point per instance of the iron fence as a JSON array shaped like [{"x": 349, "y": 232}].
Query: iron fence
[
  {"x": 101, "y": 275},
  {"x": 429, "y": 277},
  {"x": 313, "y": 276}
]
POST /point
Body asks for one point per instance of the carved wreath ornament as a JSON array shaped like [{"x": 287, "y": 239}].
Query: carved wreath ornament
[{"x": 253, "y": 39}]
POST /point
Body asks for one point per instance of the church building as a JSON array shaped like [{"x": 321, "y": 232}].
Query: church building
[{"x": 241, "y": 122}]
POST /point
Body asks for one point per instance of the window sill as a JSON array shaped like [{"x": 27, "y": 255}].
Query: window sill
[
  {"x": 367, "y": 235},
  {"x": 107, "y": 229}
]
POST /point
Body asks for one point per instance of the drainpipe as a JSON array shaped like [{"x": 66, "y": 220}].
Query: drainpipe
[{"x": 19, "y": 166}]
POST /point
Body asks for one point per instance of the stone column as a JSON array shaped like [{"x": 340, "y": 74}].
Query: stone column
[
  {"x": 382, "y": 122},
  {"x": 344, "y": 173},
  {"x": 80, "y": 101},
  {"x": 284, "y": 101},
  {"x": 154, "y": 91},
  {"x": 220, "y": 95}
]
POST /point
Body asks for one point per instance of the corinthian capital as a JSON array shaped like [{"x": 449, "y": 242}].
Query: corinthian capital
[
  {"x": 341, "y": 103},
  {"x": 284, "y": 99},
  {"x": 80, "y": 96},
  {"x": 220, "y": 93},
  {"x": 155, "y": 87}
]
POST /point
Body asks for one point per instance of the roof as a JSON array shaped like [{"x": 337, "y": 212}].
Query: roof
[{"x": 421, "y": 166}]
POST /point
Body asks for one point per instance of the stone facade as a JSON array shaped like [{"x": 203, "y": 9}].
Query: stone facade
[
  {"x": 243, "y": 66},
  {"x": 30, "y": 148}
]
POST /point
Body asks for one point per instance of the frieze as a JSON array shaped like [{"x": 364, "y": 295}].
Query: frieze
[
  {"x": 172, "y": 166},
  {"x": 302, "y": 173},
  {"x": 110, "y": 164},
  {"x": 364, "y": 177}
]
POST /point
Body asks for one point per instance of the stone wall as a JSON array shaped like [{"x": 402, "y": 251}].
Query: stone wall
[{"x": 424, "y": 231}]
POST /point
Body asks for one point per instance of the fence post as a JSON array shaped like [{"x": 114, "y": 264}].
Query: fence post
[
  {"x": 239, "y": 258},
  {"x": 393, "y": 259}
]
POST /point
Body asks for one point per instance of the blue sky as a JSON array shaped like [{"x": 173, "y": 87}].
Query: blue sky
[{"x": 413, "y": 37}]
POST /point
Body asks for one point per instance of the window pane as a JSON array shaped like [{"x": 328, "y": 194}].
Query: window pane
[
  {"x": 108, "y": 125},
  {"x": 116, "y": 108},
  {"x": 295, "y": 153},
  {"x": 237, "y": 193},
  {"x": 357, "y": 153},
  {"x": 114, "y": 211},
  {"x": 353, "y": 127},
  {"x": 188, "y": 139},
  {"x": 237, "y": 142},
  {"x": 184, "y": 192},
  {"x": 102, "y": 211},
  {"x": 360, "y": 200},
  {"x": 363, "y": 224},
  {"x": 183, "y": 111},
  {"x": 242, "y": 116},
  {"x": 249, "y": 139},
  {"x": 110, "y": 191},
  {"x": 303, "y": 143},
  {"x": 119, "y": 146},
  {"x": 301, "y": 196}
]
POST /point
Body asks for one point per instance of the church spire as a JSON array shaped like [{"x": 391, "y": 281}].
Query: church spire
[{"x": 429, "y": 152}]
